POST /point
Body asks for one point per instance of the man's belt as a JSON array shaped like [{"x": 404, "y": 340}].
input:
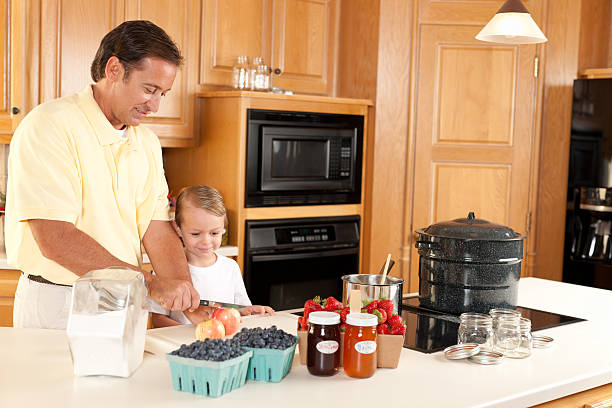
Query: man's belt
[{"x": 40, "y": 279}]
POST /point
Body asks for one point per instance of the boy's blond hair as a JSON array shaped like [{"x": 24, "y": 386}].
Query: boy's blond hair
[{"x": 204, "y": 197}]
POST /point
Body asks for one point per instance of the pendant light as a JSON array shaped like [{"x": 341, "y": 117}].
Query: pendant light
[{"x": 512, "y": 25}]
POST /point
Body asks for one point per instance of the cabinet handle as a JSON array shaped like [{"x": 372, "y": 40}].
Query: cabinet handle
[
  {"x": 15, "y": 110},
  {"x": 277, "y": 71}
]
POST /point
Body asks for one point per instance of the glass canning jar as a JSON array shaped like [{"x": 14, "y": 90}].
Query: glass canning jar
[
  {"x": 475, "y": 328},
  {"x": 360, "y": 345},
  {"x": 526, "y": 343},
  {"x": 507, "y": 334},
  {"x": 495, "y": 313},
  {"x": 323, "y": 342}
]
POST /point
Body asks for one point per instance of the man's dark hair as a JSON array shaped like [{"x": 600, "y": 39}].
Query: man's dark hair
[{"x": 131, "y": 42}]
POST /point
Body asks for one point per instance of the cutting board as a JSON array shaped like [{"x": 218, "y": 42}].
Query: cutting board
[{"x": 165, "y": 339}]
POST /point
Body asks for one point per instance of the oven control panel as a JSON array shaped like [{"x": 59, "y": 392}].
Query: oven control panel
[{"x": 299, "y": 235}]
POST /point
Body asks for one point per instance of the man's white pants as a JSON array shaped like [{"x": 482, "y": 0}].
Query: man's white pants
[{"x": 41, "y": 305}]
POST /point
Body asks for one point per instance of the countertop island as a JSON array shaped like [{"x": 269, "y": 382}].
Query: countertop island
[{"x": 36, "y": 370}]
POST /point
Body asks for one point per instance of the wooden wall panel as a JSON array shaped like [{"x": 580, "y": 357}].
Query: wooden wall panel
[
  {"x": 461, "y": 188},
  {"x": 356, "y": 77},
  {"x": 475, "y": 94},
  {"x": 559, "y": 71}
]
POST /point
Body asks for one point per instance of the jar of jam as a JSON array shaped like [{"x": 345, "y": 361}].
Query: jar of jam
[
  {"x": 360, "y": 345},
  {"x": 323, "y": 356}
]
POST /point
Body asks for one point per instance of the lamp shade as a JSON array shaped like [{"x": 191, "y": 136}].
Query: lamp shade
[{"x": 512, "y": 25}]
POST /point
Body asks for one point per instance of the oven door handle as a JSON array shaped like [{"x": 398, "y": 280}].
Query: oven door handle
[{"x": 302, "y": 255}]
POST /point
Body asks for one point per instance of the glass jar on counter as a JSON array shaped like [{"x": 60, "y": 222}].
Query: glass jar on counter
[
  {"x": 507, "y": 334},
  {"x": 476, "y": 328},
  {"x": 526, "y": 342},
  {"x": 323, "y": 343},
  {"x": 359, "y": 357},
  {"x": 496, "y": 313}
]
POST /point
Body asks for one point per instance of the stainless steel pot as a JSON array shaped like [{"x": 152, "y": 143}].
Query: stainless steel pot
[{"x": 372, "y": 288}]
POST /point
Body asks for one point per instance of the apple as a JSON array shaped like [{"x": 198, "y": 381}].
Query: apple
[
  {"x": 210, "y": 329},
  {"x": 229, "y": 317}
]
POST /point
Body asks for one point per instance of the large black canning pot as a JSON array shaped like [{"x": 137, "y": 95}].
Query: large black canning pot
[{"x": 468, "y": 265}]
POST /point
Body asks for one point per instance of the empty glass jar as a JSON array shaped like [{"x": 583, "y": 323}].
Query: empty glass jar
[
  {"x": 507, "y": 334},
  {"x": 476, "y": 328},
  {"x": 526, "y": 343}
]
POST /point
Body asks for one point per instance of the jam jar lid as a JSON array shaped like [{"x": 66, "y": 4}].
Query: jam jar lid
[
  {"x": 471, "y": 228},
  {"x": 324, "y": 318},
  {"x": 361, "y": 319}
]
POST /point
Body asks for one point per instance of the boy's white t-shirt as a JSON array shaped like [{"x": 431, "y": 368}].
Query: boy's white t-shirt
[{"x": 220, "y": 282}]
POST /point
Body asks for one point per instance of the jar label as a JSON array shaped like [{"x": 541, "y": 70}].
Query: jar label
[
  {"x": 328, "y": 346},
  {"x": 366, "y": 347}
]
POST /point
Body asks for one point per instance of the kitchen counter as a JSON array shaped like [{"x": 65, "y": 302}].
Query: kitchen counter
[{"x": 36, "y": 369}]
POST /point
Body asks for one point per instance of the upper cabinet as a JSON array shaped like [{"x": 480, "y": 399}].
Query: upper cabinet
[
  {"x": 174, "y": 122},
  {"x": 67, "y": 50},
  {"x": 11, "y": 12},
  {"x": 295, "y": 37}
]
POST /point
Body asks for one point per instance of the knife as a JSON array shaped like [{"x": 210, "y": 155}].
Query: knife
[{"x": 220, "y": 304}]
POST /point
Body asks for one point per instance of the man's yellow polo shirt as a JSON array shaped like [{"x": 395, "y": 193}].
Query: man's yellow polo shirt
[{"x": 68, "y": 163}]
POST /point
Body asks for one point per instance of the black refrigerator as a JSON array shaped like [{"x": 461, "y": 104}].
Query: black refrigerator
[{"x": 588, "y": 238}]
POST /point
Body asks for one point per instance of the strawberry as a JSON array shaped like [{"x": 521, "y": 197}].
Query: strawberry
[
  {"x": 311, "y": 305},
  {"x": 398, "y": 330},
  {"x": 380, "y": 314},
  {"x": 382, "y": 328},
  {"x": 395, "y": 320},
  {"x": 373, "y": 305},
  {"x": 387, "y": 305},
  {"x": 344, "y": 313},
  {"x": 302, "y": 324},
  {"x": 331, "y": 304}
]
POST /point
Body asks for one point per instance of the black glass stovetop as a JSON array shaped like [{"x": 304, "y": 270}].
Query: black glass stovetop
[{"x": 430, "y": 330}]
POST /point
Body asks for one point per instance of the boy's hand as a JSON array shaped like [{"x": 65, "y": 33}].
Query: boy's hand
[
  {"x": 200, "y": 314},
  {"x": 256, "y": 309}
]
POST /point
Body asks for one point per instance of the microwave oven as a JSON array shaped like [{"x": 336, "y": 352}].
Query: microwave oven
[{"x": 303, "y": 158}]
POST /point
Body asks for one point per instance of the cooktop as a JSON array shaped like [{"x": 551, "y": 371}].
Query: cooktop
[{"x": 429, "y": 331}]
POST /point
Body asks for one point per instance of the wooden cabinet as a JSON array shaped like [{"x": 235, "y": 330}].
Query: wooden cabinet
[
  {"x": 296, "y": 36},
  {"x": 8, "y": 284},
  {"x": 220, "y": 158},
  {"x": 474, "y": 122},
  {"x": 11, "y": 84},
  {"x": 67, "y": 50}
]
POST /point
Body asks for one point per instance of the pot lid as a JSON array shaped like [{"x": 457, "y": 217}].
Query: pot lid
[{"x": 471, "y": 228}]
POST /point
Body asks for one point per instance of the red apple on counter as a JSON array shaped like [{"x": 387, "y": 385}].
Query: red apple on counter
[
  {"x": 210, "y": 329},
  {"x": 229, "y": 317}
]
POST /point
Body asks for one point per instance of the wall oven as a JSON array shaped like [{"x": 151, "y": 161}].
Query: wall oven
[
  {"x": 303, "y": 158},
  {"x": 290, "y": 260}
]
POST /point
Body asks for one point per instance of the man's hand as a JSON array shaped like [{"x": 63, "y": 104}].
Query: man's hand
[
  {"x": 256, "y": 309},
  {"x": 200, "y": 314},
  {"x": 173, "y": 294}
]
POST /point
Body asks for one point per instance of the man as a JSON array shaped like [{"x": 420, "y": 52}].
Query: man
[{"x": 86, "y": 183}]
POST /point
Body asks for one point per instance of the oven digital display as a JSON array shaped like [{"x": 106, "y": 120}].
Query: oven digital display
[{"x": 305, "y": 235}]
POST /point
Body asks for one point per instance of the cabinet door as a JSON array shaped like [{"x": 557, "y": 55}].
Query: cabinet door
[
  {"x": 474, "y": 129},
  {"x": 304, "y": 45},
  {"x": 231, "y": 28},
  {"x": 67, "y": 52},
  {"x": 173, "y": 123},
  {"x": 11, "y": 50}
]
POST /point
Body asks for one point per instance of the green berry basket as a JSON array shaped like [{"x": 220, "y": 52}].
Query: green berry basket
[
  {"x": 270, "y": 365},
  {"x": 210, "y": 378}
]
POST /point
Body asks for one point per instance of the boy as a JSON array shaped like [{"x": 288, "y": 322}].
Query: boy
[{"x": 200, "y": 222}]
